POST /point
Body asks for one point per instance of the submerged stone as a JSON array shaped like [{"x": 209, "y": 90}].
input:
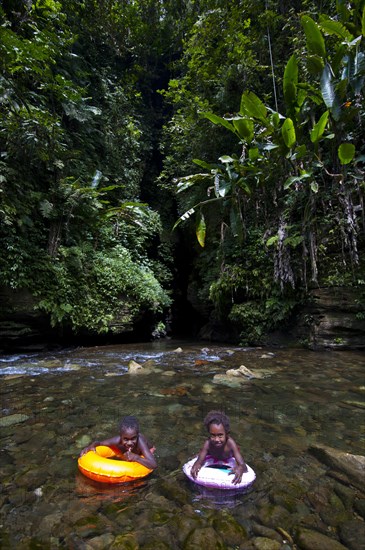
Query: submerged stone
[
  {"x": 12, "y": 419},
  {"x": 352, "y": 533},
  {"x": 229, "y": 529},
  {"x": 263, "y": 543},
  {"x": 204, "y": 538},
  {"x": 312, "y": 540},
  {"x": 351, "y": 465},
  {"x": 126, "y": 541}
]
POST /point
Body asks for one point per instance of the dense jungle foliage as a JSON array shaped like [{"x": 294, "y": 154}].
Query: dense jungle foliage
[{"x": 160, "y": 152}]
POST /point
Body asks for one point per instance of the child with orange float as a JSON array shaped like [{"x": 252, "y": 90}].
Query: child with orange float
[{"x": 130, "y": 442}]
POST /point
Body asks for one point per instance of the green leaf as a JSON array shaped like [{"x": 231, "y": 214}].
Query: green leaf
[
  {"x": 226, "y": 159},
  {"x": 319, "y": 128},
  {"x": 363, "y": 22},
  {"x": 315, "y": 64},
  {"x": 314, "y": 186},
  {"x": 328, "y": 92},
  {"x": 244, "y": 128},
  {"x": 290, "y": 80},
  {"x": 201, "y": 230},
  {"x": 288, "y": 133},
  {"x": 330, "y": 26},
  {"x": 184, "y": 217},
  {"x": 202, "y": 163},
  {"x": 346, "y": 152},
  {"x": 188, "y": 181},
  {"x": 253, "y": 153},
  {"x": 300, "y": 152},
  {"x": 315, "y": 40},
  {"x": 272, "y": 240},
  {"x": 218, "y": 120},
  {"x": 252, "y": 106}
]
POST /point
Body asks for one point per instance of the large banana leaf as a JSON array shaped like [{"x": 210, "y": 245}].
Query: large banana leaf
[
  {"x": 315, "y": 40},
  {"x": 252, "y": 106},
  {"x": 290, "y": 80}
]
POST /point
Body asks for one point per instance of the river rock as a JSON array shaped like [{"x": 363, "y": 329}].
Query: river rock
[
  {"x": 134, "y": 367},
  {"x": 266, "y": 532},
  {"x": 183, "y": 524},
  {"x": 262, "y": 543},
  {"x": 99, "y": 543},
  {"x": 352, "y": 533},
  {"x": 312, "y": 540},
  {"x": 12, "y": 419},
  {"x": 127, "y": 541},
  {"x": 204, "y": 538},
  {"x": 227, "y": 380},
  {"x": 230, "y": 530},
  {"x": 274, "y": 515},
  {"x": 359, "y": 506},
  {"x": 352, "y": 465}
]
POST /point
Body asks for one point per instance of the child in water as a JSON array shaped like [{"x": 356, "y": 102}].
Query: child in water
[
  {"x": 219, "y": 446},
  {"x": 130, "y": 442}
]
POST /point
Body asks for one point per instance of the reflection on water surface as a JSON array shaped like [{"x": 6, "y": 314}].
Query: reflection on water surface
[{"x": 55, "y": 404}]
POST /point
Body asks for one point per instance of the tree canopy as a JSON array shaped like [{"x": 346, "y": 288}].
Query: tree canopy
[{"x": 128, "y": 126}]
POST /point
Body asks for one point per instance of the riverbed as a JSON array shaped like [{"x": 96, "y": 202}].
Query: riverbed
[{"x": 286, "y": 403}]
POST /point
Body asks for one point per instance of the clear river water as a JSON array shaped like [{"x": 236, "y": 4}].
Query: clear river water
[{"x": 288, "y": 402}]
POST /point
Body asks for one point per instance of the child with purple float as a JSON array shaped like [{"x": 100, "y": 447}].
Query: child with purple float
[{"x": 220, "y": 446}]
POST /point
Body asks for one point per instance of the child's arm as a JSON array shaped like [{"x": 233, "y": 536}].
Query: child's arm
[
  {"x": 240, "y": 467},
  {"x": 94, "y": 444},
  {"x": 200, "y": 460},
  {"x": 147, "y": 459}
]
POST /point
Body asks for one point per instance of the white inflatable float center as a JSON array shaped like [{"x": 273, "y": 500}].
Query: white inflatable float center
[{"x": 218, "y": 475}]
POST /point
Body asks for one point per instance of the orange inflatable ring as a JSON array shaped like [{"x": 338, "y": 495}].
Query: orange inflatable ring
[{"x": 100, "y": 466}]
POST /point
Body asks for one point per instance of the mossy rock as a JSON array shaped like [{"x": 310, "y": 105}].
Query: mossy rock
[
  {"x": 229, "y": 529},
  {"x": 128, "y": 541},
  {"x": 203, "y": 538}
]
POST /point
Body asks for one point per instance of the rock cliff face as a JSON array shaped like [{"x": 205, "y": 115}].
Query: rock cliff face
[
  {"x": 333, "y": 318},
  {"x": 21, "y": 326}
]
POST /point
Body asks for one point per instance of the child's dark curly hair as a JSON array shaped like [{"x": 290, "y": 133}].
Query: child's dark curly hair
[
  {"x": 217, "y": 417},
  {"x": 128, "y": 423}
]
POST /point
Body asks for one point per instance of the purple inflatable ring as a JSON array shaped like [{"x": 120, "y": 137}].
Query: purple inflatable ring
[{"x": 217, "y": 475}]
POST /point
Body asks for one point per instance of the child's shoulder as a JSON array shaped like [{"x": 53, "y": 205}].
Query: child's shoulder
[{"x": 231, "y": 442}]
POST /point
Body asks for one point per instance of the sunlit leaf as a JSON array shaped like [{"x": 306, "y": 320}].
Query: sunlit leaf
[
  {"x": 314, "y": 186},
  {"x": 319, "y": 128},
  {"x": 290, "y": 80},
  {"x": 330, "y": 26},
  {"x": 201, "y": 230},
  {"x": 252, "y": 106},
  {"x": 272, "y": 240},
  {"x": 346, "y": 152},
  {"x": 288, "y": 133},
  {"x": 218, "y": 120}
]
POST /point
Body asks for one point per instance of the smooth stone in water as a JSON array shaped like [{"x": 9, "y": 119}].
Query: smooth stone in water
[
  {"x": 134, "y": 367},
  {"x": 262, "y": 543},
  {"x": 359, "y": 506},
  {"x": 352, "y": 534},
  {"x": 312, "y": 540},
  {"x": 205, "y": 538},
  {"x": 230, "y": 530},
  {"x": 12, "y": 419},
  {"x": 351, "y": 465}
]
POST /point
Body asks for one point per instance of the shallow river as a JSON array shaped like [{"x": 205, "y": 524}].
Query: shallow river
[{"x": 53, "y": 405}]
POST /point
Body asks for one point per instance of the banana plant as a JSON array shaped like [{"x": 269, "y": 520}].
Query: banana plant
[{"x": 291, "y": 142}]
